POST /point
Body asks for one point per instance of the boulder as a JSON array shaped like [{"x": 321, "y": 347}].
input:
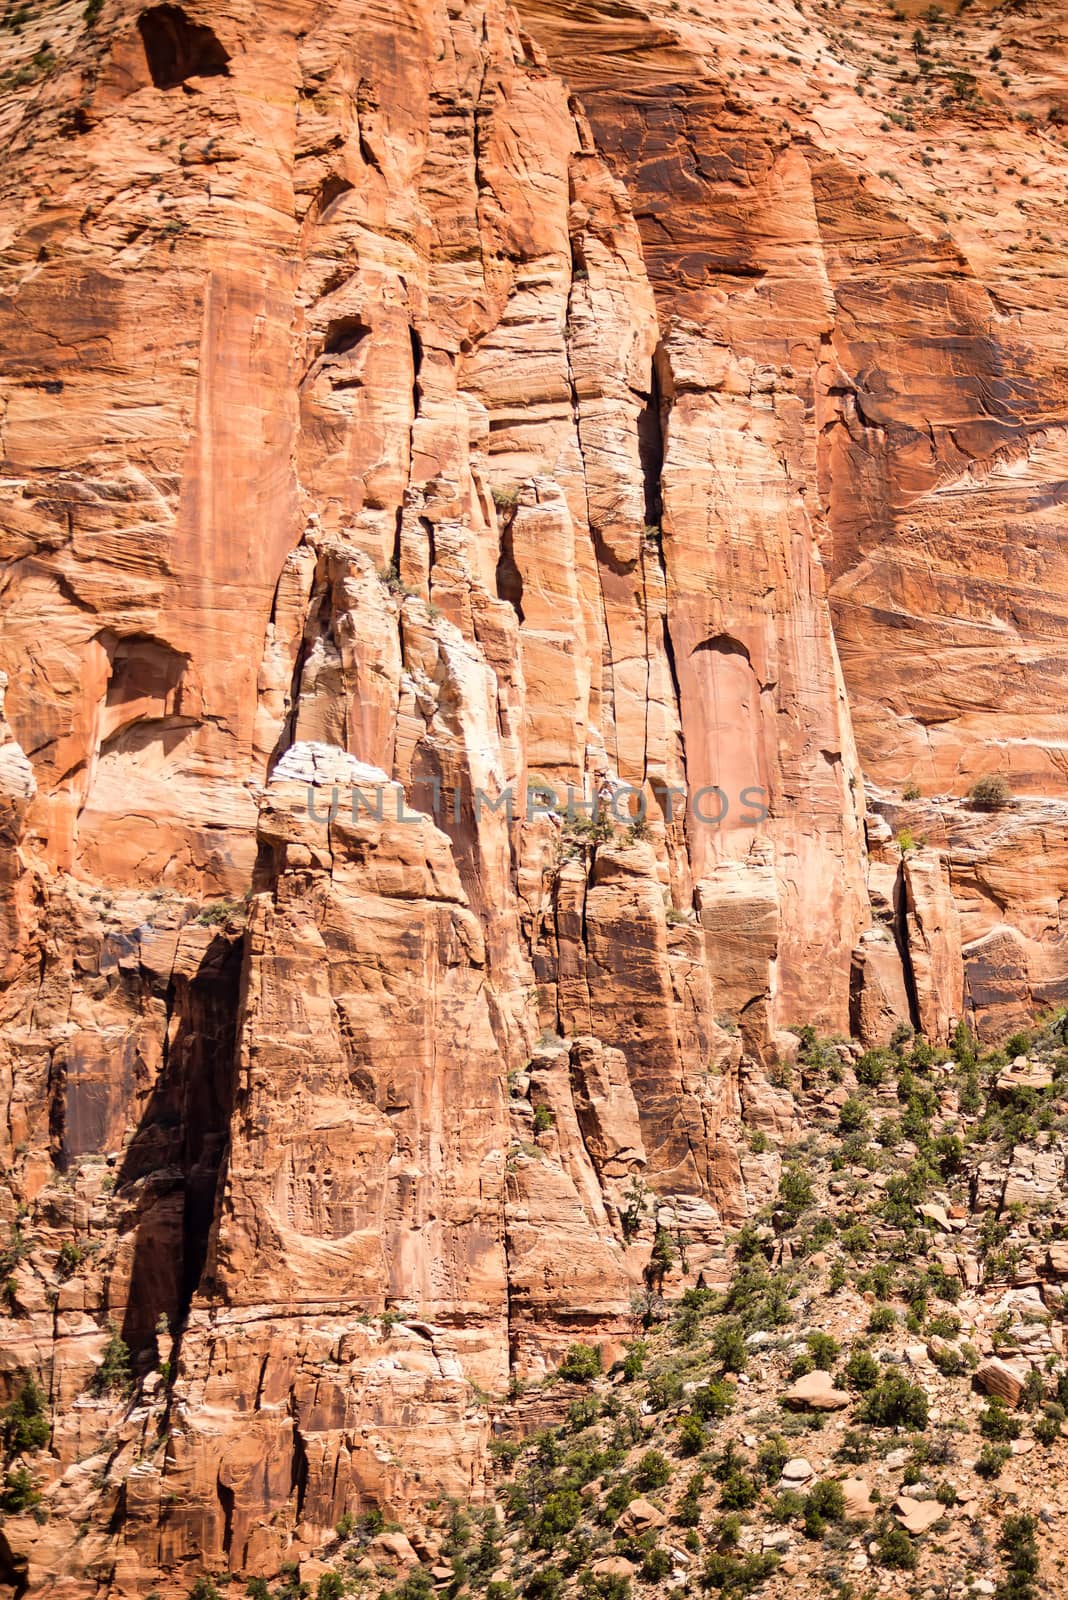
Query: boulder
[
  {"x": 917, "y": 1516},
  {"x": 998, "y": 1378},
  {"x": 640, "y": 1516},
  {"x": 613, "y": 1567},
  {"x": 859, "y": 1504},
  {"x": 816, "y": 1392}
]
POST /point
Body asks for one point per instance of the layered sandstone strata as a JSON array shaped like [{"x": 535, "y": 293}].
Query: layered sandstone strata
[{"x": 443, "y": 400}]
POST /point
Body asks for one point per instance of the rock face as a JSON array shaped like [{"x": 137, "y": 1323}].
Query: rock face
[{"x": 420, "y": 423}]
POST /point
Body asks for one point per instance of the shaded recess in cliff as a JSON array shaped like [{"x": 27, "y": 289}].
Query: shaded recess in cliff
[
  {"x": 177, "y": 1156},
  {"x": 651, "y": 450},
  {"x": 176, "y": 48}
]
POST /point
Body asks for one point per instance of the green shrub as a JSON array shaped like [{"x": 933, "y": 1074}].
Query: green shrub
[
  {"x": 825, "y": 1502},
  {"x": 581, "y": 1364},
  {"x": 786, "y": 1506},
  {"x": 634, "y": 1360},
  {"x": 688, "y": 1511},
  {"x": 604, "y": 1586},
  {"x": 862, "y": 1371},
  {"x": 759, "y": 1298},
  {"x": 772, "y": 1456},
  {"x": 893, "y": 1548},
  {"x": 713, "y": 1399},
  {"x": 873, "y": 1067},
  {"x": 25, "y": 1420},
  {"x": 991, "y": 793},
  {"x": 545, "y": 1584},
  {"x": 895, "y": 1403},
  {"x": 656, "y": 1566},
  {"x": 543, "y": 1119},
  {"x": 1019, "y": 1550},
  {"x": 665, "y": 1389},
  {"x": 559, "y": 1515},
  {"x": 693, "y": 1435},
  {"x": 662, "y": 1257},
  {"x": 114, "y": 1374},
  {"x": 942, "y": 1284},
  {"x": 1047, "y": 1430},
  {"x": 950, "y": 1361},
  {"x": 204, "y": 1589},
  {"x": 856, "y": 1239},
  {"x": 796, "y": 1193},
  {"x": 853, "y": 1116},
  {"x": 992, "y": 1457},
  {"x": 19, "y": 1493},
  {"x": 731, "y": 1574},
  {"x": 823, "y": 1349},
  {"x": 739, "y": 1491},
  {"x": 995, "y": 1422},
  {"x": 653, "y": 1471},
  {"x": 944, "y": 1325},
  {"x": 857, "y": 1445},
  {"x": 880, "y": 1280},
  {"x": 331, "y": 1586},
  {"x": 728, "y": 1345}
]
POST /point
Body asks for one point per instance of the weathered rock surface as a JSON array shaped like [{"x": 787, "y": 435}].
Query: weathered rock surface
[
  {"x": 399, "y": 404},
  {"x": 815, "y": 1392}
]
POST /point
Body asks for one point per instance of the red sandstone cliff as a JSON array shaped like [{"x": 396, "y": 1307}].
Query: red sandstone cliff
[{"x": 666, "y": 397}]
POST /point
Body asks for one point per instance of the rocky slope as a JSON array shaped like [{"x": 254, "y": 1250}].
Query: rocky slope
[{"x": 406, "y": 408}]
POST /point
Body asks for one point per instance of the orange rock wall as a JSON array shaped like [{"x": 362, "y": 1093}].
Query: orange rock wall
[{"x": 418, "y": 399}]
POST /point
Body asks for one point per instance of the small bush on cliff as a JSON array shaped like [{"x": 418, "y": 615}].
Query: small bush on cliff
[
  {"x": 895, "y": 1403},
  {"x": 893, "y": 1548},
  {"x": 991, "y": 793},
  {"x": 653, "y": 1471},
  {"x": 19, "y": 1493},
  {"x": 998, "y": 1423},
  {"x": 731, "y": 1574},
  {"x": 582, "y": 1364},
  {"x": 795, "y": 1192},
  {"x": 604, "y": 1586},
  {"x": 728, "y": 1346},
  {"x": 862, "y": 1371},
  {"x": 544, "y": 1584},
  {"x": 559, "y": 1515},
  {"x": 992, "y": 1457},
  {"x": 204, "y": 1589},
  {"x": 824, "y": 1503},
  {"x": 219, "y": 913},
  {"x": 662, "y": 1258},
  {"x": 1020, "y": 1552},
  {"x": 113, "y": 1375},
  {"x": 26, "y": 1419},
  {"x": 693, "y": 1436}
]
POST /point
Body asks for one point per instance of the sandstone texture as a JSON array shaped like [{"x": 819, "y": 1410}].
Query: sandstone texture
[{"x": 419, "y": 425}]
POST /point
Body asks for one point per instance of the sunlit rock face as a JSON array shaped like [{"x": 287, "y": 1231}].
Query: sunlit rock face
[{"x": 419, "y": 423}]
